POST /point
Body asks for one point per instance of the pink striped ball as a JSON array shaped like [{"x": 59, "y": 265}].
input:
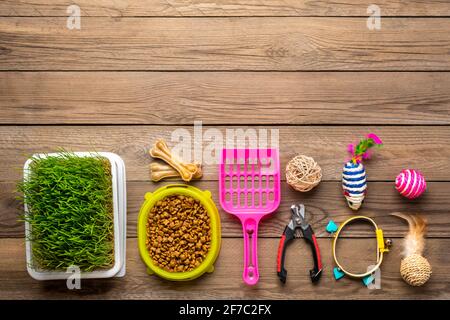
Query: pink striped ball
[{"x": 410, "y": 183}]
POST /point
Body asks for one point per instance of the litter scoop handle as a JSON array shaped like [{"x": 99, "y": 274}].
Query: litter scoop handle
[{"x": 250, "y": 231}]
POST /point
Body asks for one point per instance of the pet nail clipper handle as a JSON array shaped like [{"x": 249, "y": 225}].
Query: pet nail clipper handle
[
  {"x": 250, "y": 230},
  {"x": 287, "y": 236},
  {"x": 310, "y": 237}
]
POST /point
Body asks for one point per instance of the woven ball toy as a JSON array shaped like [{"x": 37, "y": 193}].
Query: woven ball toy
[
  {"x": 415, "y": 270},
  {"x": 303, "y": 173},
  {"x": 410, "y": 183},
  {"x": 414, "y": 267}
]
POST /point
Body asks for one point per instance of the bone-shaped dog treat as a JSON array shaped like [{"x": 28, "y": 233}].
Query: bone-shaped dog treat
[
  {"x": 161, "y": 151},
  {"x": 161, "y": 171}
]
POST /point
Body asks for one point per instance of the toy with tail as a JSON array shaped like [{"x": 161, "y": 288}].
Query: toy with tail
[
  {"x": 414, "y": 267},
  {"x": 354, "y": 178}
]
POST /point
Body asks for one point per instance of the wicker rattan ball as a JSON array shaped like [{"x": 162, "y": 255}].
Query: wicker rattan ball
[
  {"x": 415, "y": 270},
  {"x": 303, "y": 173}
]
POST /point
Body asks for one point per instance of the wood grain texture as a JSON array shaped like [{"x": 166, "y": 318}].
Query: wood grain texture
[
  {"x": 226, "y": 281},
  {"x": 324, "y": 203},
  {"x": 424, "y": 148},
  {"x": 179, "y": 98},
  {"x": 202, "y": 8},
  {"x": 105, "y": 88},
  {"x": 224, "y": 44}
]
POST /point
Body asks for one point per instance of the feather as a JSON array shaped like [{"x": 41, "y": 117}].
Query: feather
[
  {"x": 375, "y": 138},
  {"x": 351, "y": 148},
  {"x": 360, "y": 151},
  {"x": 414, "y": 241}
]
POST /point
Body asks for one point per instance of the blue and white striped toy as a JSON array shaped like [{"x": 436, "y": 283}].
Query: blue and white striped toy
[
  {"x": 354, "y": 184},
  {"x": 354, "y": 178}
]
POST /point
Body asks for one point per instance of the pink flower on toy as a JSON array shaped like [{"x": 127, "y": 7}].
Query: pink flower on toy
[{"x": 410, "y": 183}]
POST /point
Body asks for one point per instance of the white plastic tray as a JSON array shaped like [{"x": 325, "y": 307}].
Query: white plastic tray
[
  {"x": 119, "y": 209},
  {"x": 121, "y": 177}
]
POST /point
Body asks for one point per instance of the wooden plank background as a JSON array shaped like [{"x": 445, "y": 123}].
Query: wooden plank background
[
  {"x": 236, "y": 43},
  {"x": 225, "y": 282},
  {"x": 422, "y": 146},
  {"x": 208, "y": 8},
  {"x": 140, "y": 69},
  {"x": 266, "y": 98}
]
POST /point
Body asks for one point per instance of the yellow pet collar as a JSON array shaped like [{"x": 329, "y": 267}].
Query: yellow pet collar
[{"x": 382, "y": 246}]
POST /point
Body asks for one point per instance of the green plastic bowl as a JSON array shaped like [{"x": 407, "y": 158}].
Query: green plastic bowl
[{"x": 205, "y": 199}]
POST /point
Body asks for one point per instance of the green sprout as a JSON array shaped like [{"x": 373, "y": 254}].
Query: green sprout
[{"x": 69, "y": 199}]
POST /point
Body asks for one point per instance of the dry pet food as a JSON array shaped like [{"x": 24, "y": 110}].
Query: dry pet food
[{"x": 178, "y": 233}]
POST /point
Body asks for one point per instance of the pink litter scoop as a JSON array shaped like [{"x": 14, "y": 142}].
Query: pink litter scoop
[{"x": 249, "y": 187}]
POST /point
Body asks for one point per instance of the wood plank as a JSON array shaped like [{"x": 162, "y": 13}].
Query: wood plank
[
  {"x": 266, "y": 98},
  {"x": 201, "y": 8},
  {"x": 424, "y": 148},
  {"x": 224, "y": 44},
  {"x": 226, "y": 282},
  {"x": 323, "y": 204}
]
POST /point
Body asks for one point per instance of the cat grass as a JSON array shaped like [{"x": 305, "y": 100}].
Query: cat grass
[{"x": 69, "y": 199}]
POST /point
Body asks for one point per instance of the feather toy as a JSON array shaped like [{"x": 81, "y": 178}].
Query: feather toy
[
  {"x": 354, "y": 177},
  {"x": 414, "y": 267}
]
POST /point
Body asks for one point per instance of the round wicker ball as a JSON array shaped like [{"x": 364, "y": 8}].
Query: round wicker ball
[
  {"x": 303, "y": 173},
  {"x": 415, "y": 270}
]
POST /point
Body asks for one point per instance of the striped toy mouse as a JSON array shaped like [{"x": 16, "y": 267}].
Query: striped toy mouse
[{"x": 354, "y": 178}]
